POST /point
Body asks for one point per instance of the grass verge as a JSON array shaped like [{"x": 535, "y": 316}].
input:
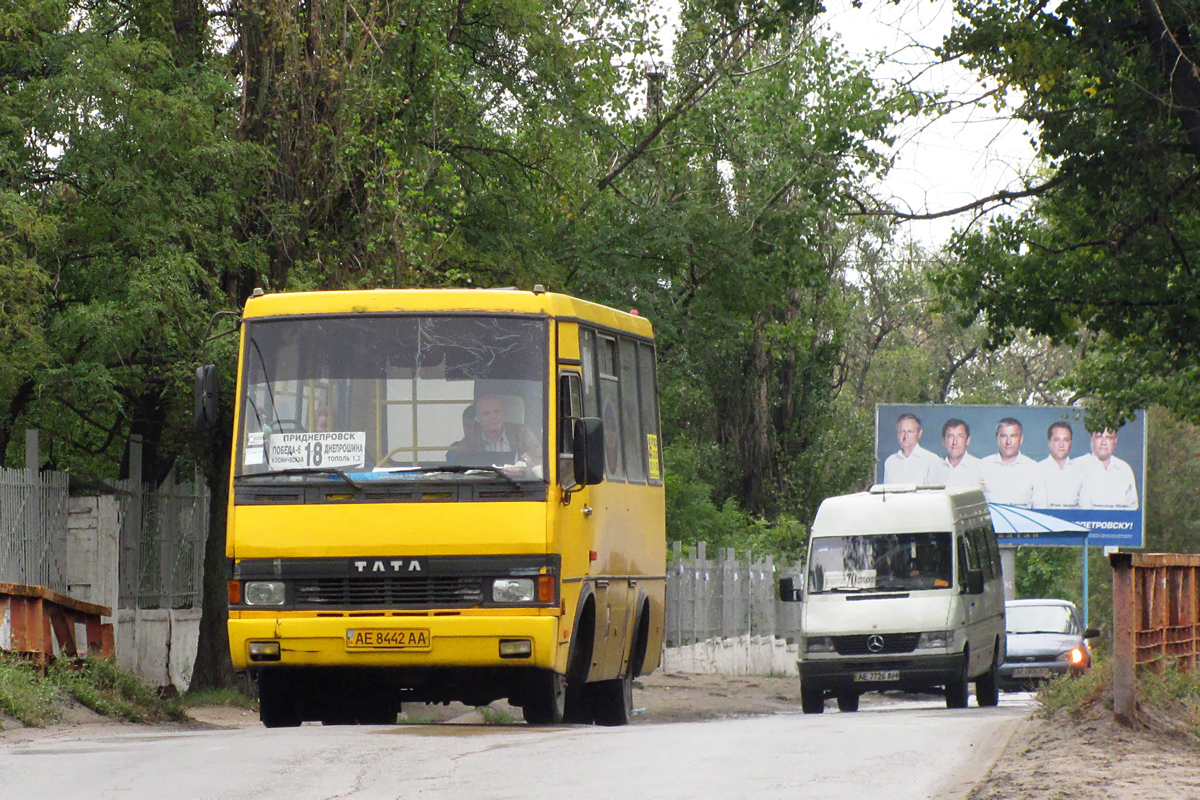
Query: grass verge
[
  {"x": 1168, "y": 699},
  {"x": 35, "y": 699}
]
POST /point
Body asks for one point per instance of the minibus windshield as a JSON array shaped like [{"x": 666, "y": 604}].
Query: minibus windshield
[{"x": 880, "y": 562}]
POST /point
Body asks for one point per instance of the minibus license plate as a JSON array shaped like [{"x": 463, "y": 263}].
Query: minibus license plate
[
  {"x": 1031, "y": 672},
  {"x": 388, "y": 639},
  {"x": 874, "y": 677}
]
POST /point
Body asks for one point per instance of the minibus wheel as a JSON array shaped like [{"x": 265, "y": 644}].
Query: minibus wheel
[
  {"x": 956, "y": 688},
  {"x": 847, "y": 701},
  {"x": 987, "y": 686},
  {"x": 812, "y": 701}
]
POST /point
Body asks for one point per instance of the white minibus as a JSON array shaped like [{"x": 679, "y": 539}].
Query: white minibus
[{"x": 903, "y": 591}]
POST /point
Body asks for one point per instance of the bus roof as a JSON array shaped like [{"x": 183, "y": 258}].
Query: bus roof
[{"x": 385, "y": 301}]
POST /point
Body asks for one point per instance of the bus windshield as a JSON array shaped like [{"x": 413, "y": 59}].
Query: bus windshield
[
  {"x": 390, "y": 397},
  {"x": 880, "y": 562}
]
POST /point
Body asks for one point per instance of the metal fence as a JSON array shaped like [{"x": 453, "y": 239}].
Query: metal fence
[
  {"x": 33, "y": 528},
  {"x": 726, "y": 597},
  {"x": 162, "y": 544}
]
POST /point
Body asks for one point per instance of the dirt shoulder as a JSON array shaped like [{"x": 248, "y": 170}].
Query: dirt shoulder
[{"x": 1092, "y": 757}]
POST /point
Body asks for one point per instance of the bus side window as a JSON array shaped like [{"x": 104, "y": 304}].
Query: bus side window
[
  {"x": 587, "y": 355},
  {"x": 631, "y": 418},
  {"x": 648, "y": 385},
  {"x": 610, "y": 407},
  {"x": 569, "y": 409}
]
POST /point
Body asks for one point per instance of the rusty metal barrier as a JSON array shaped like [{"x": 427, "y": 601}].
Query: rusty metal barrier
[
  {"x": 42, "y": 624},
  {"x": 1156, "y": 618}
]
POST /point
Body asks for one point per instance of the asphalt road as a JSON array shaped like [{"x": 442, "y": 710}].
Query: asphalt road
[{"x": 889, "y": 749}]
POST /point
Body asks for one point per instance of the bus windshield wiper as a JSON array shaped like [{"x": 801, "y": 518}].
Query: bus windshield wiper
[
  {"x": 462, "y": 469},
  {"x": 303, "y": 471}
]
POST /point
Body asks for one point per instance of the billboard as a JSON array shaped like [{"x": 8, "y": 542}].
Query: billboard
[{"x": 1040, "y": 458}]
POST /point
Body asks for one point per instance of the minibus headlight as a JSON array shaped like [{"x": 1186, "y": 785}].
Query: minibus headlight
[
  {"x": 263, "y": 593},
  {"x": 931, "y": 639},
  {"x": 513, "y": 590},
  {"x": 818, "y": 644}
]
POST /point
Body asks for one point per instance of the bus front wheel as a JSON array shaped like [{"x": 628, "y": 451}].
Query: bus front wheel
[
  {"x": 278, "y": 703},
  {"x": 545, "y": 698}
]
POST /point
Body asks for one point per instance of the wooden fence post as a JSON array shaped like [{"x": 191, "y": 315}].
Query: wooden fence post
[{"x": 1124, "y": 638}]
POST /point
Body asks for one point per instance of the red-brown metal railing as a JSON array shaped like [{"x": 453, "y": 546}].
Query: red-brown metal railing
[
  {"x": 1156, "y": 616},
  {"x": 41, "y": 623}
]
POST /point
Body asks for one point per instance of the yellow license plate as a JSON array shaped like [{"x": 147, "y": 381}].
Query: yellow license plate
[{"x": 388, "y": 639}]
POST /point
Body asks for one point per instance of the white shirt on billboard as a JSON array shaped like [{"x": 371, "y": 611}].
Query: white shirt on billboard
[
  {"x": 1113, "y": 487},
  {"x": 1064, "y": 484},
  {"x": 1014, "y": 484},
  {"x": 966, "y": 473},
  {"x": 913, "y": 468}
]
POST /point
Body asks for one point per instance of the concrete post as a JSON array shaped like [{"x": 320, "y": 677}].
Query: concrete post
[
  {"x": 1008, "y": 568},
  {"x": 1124, "y": 638}
]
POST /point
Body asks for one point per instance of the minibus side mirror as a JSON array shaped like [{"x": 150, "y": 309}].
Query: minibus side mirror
[
  {"x": 588, "y": 451},
  {"x": 1092, "y": 633},
  {"x": 206, "y": 407},
  {"x": 974, "y": 581},
  {"x": 789, "y": 592}
]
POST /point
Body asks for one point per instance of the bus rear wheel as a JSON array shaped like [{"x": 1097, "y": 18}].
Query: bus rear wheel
[{"x": 612, "y": 701}]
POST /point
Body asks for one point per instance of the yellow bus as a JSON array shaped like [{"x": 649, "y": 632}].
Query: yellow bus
[{"x": 443, "y": 495}]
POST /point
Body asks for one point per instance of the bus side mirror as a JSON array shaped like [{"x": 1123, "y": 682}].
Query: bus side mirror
[
  {"x": 206, "y": 407},
  {"x": 1092, "y": 633},
  {"x": 587, "y": 447},
  {"x": 789, "y": 592},
  {"x": 974, "y": 581}
]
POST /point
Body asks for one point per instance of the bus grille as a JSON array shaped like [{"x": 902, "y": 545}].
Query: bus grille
[
  {"x": 405, "y": 592},
  {"x": 861, "y": 645}
]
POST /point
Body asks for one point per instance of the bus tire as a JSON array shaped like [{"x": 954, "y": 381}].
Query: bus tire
[
  {"x": 847, "y": 701},
  {"x": 545, "y": 698},
  {"x": 278, "y": 705},
  {"x": 612, "y": 701}
]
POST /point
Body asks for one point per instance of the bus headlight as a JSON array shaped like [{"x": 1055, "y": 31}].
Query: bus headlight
[
  {"x": 818, "y": 644},
  {"x": 931, "y": 639},
  {"x": 513, "y": 590},
  {"x": 263, "y": 593}
]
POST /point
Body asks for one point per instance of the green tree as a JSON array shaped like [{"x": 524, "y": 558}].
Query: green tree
[{"x": 1106, "y": 254}]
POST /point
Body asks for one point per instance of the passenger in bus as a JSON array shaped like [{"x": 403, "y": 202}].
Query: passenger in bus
[{"x": 493, "y": 434}]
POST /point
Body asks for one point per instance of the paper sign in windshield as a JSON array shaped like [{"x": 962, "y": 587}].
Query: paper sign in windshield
[{"x": 329, "y": 449}]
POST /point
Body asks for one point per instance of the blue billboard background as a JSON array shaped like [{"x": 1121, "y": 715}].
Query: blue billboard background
[{"x": 1107, "y": 527}]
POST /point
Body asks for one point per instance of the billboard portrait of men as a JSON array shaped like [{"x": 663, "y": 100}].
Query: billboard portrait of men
[
  {"x": 1062, "y": 475},
  {"x": 911, "y": 463},
  {"x": 958, "y": 467},
  {"x": 1108, "y": 480},
  {"x": 1009, "y": 476}
]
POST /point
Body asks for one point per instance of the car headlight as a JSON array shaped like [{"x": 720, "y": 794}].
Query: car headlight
[
  {"x": 818, "y": 644},
  {"x": 263, "y": 593},
  {"x": 513, "y": 590},
  {"x": 1075, "y": 656},
  {"x": 938, "y": 639}
]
